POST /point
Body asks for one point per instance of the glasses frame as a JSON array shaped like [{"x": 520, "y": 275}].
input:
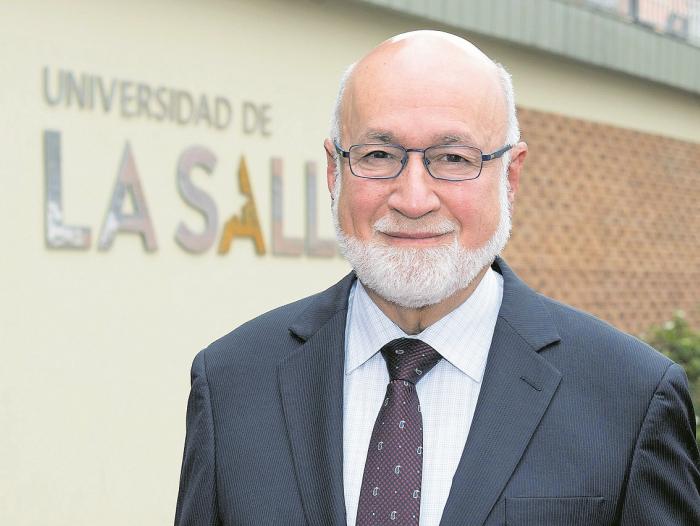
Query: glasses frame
[{"x": 484, "y": 158}]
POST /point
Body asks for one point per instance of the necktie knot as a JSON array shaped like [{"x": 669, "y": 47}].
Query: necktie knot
[{"x": 409, "y": 359}]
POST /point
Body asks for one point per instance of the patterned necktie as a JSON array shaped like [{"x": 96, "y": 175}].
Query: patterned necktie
[{"x": 391, "y": 484}]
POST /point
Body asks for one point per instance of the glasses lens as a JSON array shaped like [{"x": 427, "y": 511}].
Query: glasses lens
[
  {"x": 454, "y": 162},
  {"x": 375, "y": 160}
]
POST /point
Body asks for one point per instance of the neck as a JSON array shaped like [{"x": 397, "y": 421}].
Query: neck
[{"x": 413, "y": 321}]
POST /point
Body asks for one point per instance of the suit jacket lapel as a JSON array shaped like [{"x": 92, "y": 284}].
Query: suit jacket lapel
[
  {"x": 311, "y": 389},
  {"x": 518, "y": 386}
]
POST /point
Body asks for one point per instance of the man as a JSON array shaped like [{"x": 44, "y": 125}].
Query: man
[{"x": 436, "y": 387}]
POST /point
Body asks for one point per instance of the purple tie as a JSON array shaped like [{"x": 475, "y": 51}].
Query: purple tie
[{"x": 391, "y": 484}]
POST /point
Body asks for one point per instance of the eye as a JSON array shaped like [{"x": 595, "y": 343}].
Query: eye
[
  {"x": 454, "y": 158},
  {"x": 378, "y": 154}
]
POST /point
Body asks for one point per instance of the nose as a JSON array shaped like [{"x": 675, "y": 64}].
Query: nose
[{"x": 414, "y": 193}]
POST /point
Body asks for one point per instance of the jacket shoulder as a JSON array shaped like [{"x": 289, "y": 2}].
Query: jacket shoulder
[{"x": 604, "y": 348}]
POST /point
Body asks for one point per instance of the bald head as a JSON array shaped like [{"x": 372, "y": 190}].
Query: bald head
[
  {"x": 436, "y": 46},
  {"x": 434, "y": 68}
]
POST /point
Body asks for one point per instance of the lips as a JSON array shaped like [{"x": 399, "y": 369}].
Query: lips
[
  {"x": 416, "y": 239},
  {"x": 402, "y": 230},
  {"x": 415, "y": 235}
]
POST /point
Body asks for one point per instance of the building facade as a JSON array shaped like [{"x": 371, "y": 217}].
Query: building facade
[{"x": 164, "y": 181}]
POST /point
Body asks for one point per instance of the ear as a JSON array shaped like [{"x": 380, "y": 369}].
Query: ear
[
  {"x": 331, "y": 160},
  {"x": 517, "y": 158}
]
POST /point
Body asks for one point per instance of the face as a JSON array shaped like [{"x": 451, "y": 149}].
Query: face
[{"x": 415, "y": 232}]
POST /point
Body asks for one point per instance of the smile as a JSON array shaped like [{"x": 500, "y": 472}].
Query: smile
[{"x": 415, "y": 238}]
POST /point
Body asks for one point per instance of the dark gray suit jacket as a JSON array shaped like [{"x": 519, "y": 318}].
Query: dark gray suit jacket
[{"x": 576, "y": 424}]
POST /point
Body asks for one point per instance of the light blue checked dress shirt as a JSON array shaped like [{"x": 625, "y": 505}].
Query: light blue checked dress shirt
[{"x": 447, "y": 394}]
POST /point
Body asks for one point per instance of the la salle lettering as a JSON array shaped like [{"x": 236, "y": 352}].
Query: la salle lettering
[{"x": 127, "y": 187}]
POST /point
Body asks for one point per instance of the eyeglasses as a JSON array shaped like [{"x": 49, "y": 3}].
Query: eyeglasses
[{"x": 443, "y": 161}]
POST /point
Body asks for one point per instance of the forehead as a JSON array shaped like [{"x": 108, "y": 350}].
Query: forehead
[{"x": 419, "y": 93}]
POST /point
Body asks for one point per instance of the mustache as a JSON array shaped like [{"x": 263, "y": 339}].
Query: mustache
[{"x": 405, "y": 225}]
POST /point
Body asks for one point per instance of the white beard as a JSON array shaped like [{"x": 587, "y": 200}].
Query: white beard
[{"x": 415, "y": 277}]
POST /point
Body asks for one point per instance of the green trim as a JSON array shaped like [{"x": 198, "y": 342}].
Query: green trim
[{"x": 574, "y": 32}]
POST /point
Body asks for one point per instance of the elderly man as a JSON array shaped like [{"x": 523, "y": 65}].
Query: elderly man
[{"x": 432, "y": 386}]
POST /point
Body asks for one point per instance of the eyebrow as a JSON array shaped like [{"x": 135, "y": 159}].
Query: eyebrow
[
  {"x": 379, "y": 135},
  {"x": 387, "y": 137},
  {"x": 461, "y": 139}
]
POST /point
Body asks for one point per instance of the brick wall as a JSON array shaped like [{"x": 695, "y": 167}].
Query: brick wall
[{"x": 608, "y": 220}]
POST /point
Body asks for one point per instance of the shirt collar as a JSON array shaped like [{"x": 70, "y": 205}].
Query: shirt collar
[{"x": 462, "y": 337}]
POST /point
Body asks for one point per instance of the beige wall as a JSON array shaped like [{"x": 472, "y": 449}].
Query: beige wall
[{"x": 96, "y": 346}]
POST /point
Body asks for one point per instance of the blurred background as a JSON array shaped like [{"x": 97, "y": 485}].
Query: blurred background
[{"x": 163, "y": 181}]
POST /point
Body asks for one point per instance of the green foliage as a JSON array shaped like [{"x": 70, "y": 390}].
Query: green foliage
[{"x": 677, "y": 340}]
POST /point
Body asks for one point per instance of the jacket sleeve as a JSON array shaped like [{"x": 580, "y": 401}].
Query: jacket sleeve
[
  {"x": 663, "y": 487},
  {"x": 196, "y": 501}
]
